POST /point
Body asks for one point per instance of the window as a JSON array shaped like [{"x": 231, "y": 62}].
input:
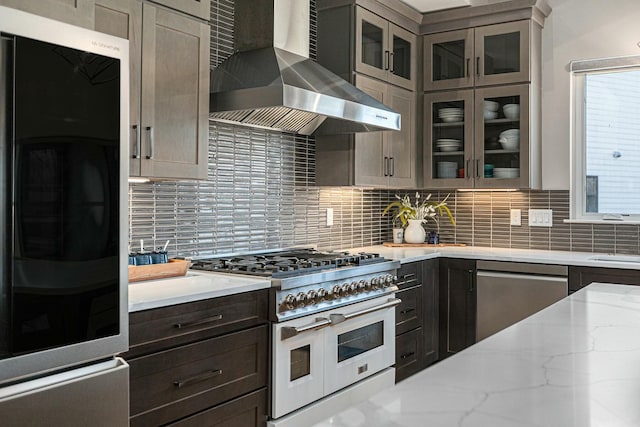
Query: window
[{"x": 606, "y": 138}]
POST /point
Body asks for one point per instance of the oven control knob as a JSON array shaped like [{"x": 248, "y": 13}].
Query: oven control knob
[
  {"x": 301, "y": 299},
  {"x": 288, "y": 303},
  {"x": 312, "y": 297},
  {"x": 353, "y": 288},
  {"x": 335, "y": 292},
  {"x": 344, "y": 290},
  {"x": 321, "y": 295},
  {"x": 362, "y": 286},
  {"x": 388, "y": 280},
  {"x": 375, "y": 282}
]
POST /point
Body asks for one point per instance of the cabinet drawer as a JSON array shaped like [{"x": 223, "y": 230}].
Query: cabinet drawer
[
  {"x": 158, "y": 329},
  {"x": 245, "y": 411},
  {"x": 172, "y": 384},
  {"x": 408, "y": 351},
  {"x": 409, "y": 311},
  {"x": 409, "y": 275}
]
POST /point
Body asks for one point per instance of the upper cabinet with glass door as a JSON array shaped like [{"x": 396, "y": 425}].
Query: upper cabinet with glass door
[
  {"x": 384, "y": 50},
  {"x": 481, "y": 56}
]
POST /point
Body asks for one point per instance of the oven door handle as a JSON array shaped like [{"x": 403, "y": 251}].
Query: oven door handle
[
  {"x": 339, "y": 318},
  {"x": 292, "y": 331}
]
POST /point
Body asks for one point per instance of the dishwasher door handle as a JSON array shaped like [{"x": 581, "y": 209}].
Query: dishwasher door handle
[{"x": 518, "y": 276}]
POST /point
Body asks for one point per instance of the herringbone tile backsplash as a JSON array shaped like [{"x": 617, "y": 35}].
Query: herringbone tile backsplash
[{"x": 260, "y": 194}]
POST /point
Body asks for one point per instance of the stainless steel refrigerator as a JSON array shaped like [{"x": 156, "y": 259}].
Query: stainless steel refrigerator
[{"x": 63, "y": 224}]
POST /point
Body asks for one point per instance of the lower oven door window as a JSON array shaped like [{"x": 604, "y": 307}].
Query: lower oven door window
[
  {"x": 298, "y": 368},
  {"x": 359, "y": 346}
]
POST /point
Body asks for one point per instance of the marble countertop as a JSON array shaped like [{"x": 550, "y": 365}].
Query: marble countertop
[
  {"x": 588, "y": 259},
  {"x": 575, "y": 363},
  {"x": 192, "y": 287}
]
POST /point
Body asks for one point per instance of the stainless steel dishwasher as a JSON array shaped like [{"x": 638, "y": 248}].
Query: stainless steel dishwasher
[{"x": 510, "y": 291}]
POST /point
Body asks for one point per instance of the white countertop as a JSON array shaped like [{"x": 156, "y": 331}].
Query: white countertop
[
  {"x": 192, "y": 287},
  {"x": 589, "y": 259},
  {"x": 575, "y": 363}
]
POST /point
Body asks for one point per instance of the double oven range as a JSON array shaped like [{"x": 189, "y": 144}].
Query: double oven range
[{"x": 333, "y": 327}]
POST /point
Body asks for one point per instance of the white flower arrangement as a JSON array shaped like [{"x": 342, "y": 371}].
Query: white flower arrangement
[{"x": 423, "y": 210}]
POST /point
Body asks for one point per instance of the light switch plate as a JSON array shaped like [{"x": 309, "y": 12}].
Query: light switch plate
[
  {"x": 329, "y": 217},
  {"x": 516, "y": 216},
  {"x": 540, "y": 217}
]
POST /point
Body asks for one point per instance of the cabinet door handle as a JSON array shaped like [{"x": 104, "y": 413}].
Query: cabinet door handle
[
  {"x": 198, "y": 322},
  {"x": 198, "y": 378},
  {"x": 477, "y": 168},
  {"x": 468, "y": 67},
  {"x": 478, "y": 66},
  {"x": 386, "y": 60},
  {"x": 407, "y": 355},
  {"x": 392, "y": 166},
  {"x": 407, "y": 310},
  {"x": 470, "y": 280},
  {"x": 137, "y": 147},
  {"x": 467, "y": 171},
  {"x": 393, "y": 69},
  {"x": 150, "y": 132},
  {"x": 386, "y": 166}
]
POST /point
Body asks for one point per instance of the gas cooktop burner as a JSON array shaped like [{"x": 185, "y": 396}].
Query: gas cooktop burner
[{"x": 286, "y": 263}]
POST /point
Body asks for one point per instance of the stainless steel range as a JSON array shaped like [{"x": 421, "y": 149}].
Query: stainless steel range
[{"x": 334, "y": 326}]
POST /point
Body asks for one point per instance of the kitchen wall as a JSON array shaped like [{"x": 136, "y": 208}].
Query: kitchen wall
[
  {"x": 260, "y": 194},
  {"x": 575, "y": 30}
]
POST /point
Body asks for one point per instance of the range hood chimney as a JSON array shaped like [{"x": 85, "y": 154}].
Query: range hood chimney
[{"x": 270, "y": 81}]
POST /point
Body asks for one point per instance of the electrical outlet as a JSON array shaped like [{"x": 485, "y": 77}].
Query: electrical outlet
[
  {"x": 329, "y": 217},
  {"x": 540, "y": 217},
  {"x": 516, "y": 217}
]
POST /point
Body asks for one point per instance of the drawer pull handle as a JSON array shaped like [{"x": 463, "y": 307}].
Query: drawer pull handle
[
  {"x": 197, "y": 378},
  {"x": 408, "y": 310},
  {"x": 198, "y": 322},
  {"x": 408, "y": 276},
  {"x": 406, "y": 355}
]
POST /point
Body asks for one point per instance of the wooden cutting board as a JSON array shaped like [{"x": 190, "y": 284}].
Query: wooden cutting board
[{"x": 420, "y": 245}]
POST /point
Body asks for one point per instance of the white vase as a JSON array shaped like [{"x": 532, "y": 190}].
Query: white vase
[{"x": 414, "y": 233}]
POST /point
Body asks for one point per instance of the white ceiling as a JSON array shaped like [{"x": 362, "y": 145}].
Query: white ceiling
[{"x": 431, "y": 5}]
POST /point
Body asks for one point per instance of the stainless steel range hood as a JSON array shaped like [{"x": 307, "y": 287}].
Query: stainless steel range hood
[{"x": 271, "y": 82}]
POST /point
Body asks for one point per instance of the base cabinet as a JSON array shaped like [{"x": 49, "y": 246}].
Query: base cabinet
[
  {"x": 457, "y": 305},
  {"x": 416, "y": 317},
  {"x": 579, "y": 277},
  {"x": 200, "y": 363}
]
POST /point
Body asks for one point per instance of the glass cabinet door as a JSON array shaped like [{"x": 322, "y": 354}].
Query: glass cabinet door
[
  {"x": 447, "y": 60},
  {"x": 403, "y": 57},
  {"x": 502, "y": 53},
  {"x": 448, "y": 140},
  {"x": 502, "y": 137},
  {"x": 372, "y": 51}
]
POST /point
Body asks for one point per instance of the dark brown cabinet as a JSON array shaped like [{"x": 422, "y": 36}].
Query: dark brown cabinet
[
  {"x": 430, "y": 310},
  {"x": 200, "y": 363},
  {"x": 457, "y": 305},
  {"x": 579, "y": 277},
  {"x": 416, "y": 317}
]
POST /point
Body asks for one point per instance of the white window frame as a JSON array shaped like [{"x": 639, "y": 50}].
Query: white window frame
[{"x": 579, "y": 70}]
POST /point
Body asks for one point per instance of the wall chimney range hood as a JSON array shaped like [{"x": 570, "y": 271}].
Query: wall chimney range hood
[{"x": 270, "y": 81}]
